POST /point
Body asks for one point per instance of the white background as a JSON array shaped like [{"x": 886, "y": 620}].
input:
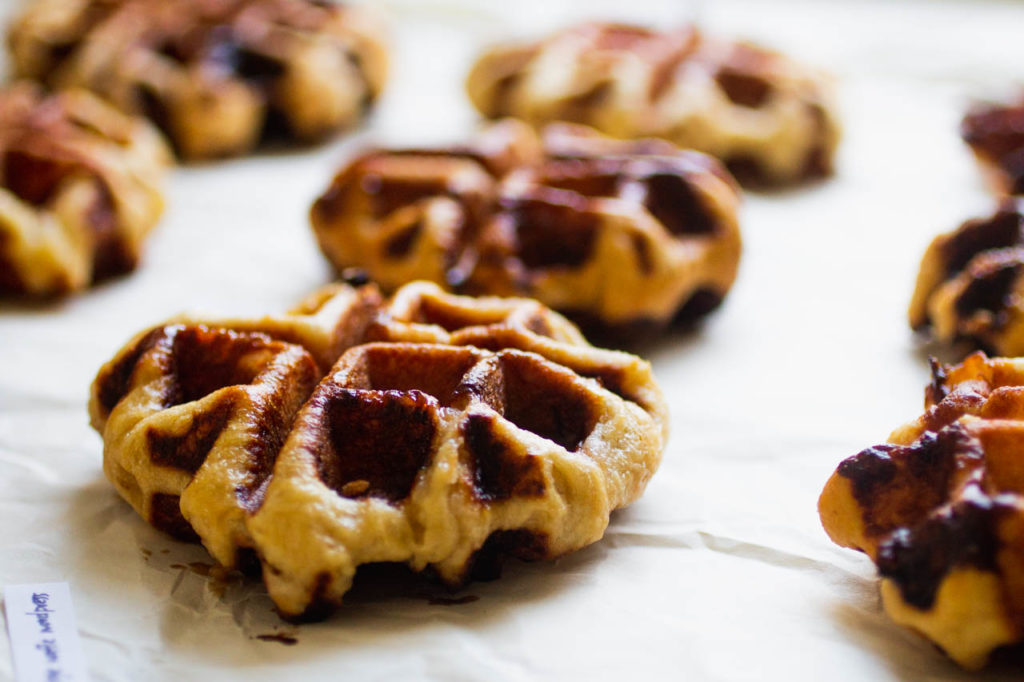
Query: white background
[{"x": 722, "y": 571}]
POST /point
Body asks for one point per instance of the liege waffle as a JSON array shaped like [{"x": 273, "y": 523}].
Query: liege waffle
[
  {"x": 217, "y": 76},
  {"x": 622, "y": 236},
  {"x": 995, "y": 133},
  {"x": 768, "y": 118},
  {"x": 451, "y": 431},
  {"x": 193, "y": 412},
  {"x": 79, "y": 190},
  {"x": 940, "y": 509},
  {"x": 970, "y": 288}
]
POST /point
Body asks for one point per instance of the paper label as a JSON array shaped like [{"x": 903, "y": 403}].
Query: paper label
[{"x": 44, "y": 638}]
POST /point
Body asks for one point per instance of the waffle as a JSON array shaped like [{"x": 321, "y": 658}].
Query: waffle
[
  {"x": 940, "y": 509},
  {"x": 450, "y": 432},
  {"x": 768, "y": 118},
  {"x": 79, "y": 190},
  {"x": 216, "y": 75},
  {"x": 995, "y": 133},
  {"x": 969, "y": 286},
  {"x": 622, "y": 236}
]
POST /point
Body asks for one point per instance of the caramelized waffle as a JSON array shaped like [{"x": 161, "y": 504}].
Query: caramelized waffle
[
  {"x": 995, "y": 133},
  {"x": 940, "y": 509},
  {"x": 79, "y": 190},
  {"x": 451, "y": 431},
  {"x": 768, "y": 118},
  {"x": 970, "y": 287},
  {"x": 215, "y": 76},
  {"x": 622, "y": 236}
]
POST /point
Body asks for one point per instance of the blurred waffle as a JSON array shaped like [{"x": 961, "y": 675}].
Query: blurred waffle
[
  {"x": 969, "y": 288},
  {"x": 622, "y": 236},
  {"x": 79, "y": 190},
  {"x": 769, "y": 119},
  {"x": 216, "y": 76},
  {"x": 995, "y": 133}
]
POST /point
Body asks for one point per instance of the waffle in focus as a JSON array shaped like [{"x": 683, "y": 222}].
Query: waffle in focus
[
  {"x": 450, "y": 432},
  {"x": 940, "y": 509}
]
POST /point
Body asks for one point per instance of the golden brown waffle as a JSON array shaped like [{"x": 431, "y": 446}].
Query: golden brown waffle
[
  {"x": 79, "y": 190},
  {"x": 215, "y": 75},
  {"x": 768, "y": 118},
  {"x": 970, "y": 287},
  {"x": 465, "y": 429},
  {"x": 995, "y": 133},
  {"x": 940, "y": 509},
  {"x": 622, "y": 236},
  {"x": 193, "y": 412}
]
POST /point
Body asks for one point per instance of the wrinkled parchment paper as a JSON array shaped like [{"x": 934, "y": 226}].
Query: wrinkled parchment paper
[{"x": 722, "y": 570}]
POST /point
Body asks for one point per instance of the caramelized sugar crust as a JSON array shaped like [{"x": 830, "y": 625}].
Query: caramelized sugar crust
[
  {"x": 431, "y": 429},
  {"x": 940, "y": 509},
  {"x": 79, "y": 190},
  {"x": 769, "y": 119},
  {"x": 622, "y": 236},
  {"x": 217, "y": 76}
]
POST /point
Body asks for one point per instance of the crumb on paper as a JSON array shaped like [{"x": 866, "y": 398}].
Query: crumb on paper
[{"x": 279, "y": 637}]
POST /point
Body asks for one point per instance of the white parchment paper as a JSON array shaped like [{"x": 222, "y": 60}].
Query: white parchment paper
[{"x": 722, "y": 571}]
